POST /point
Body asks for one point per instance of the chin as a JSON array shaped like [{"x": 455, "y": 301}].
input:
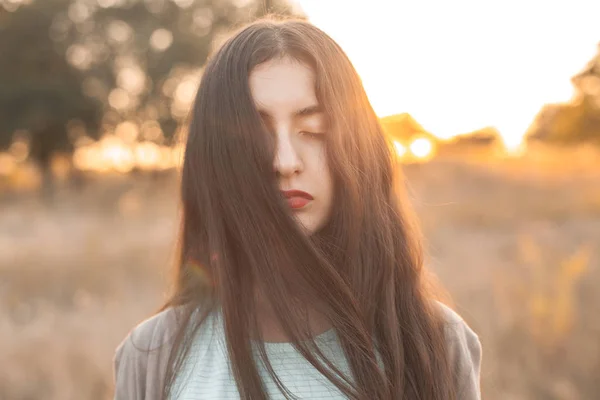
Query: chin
[
  {"x": 307, "y": 226},
  {"x": 311, "y": 227},
  {"x": 307, "y": 229}
]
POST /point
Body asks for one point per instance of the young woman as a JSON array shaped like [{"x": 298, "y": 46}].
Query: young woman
[{"x": 301, "y": 272}]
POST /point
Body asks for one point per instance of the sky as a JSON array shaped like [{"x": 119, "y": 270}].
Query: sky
[{"x": 461, "y": 65}]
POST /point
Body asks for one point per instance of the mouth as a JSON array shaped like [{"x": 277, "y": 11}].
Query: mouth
[{"x": 297, "y": 199}]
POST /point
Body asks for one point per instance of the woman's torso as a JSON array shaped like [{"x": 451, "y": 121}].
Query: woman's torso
[{"x": 206, "y": 373}]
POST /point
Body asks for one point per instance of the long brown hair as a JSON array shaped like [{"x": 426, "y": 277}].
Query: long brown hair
[{"x": 363, "y": 271}]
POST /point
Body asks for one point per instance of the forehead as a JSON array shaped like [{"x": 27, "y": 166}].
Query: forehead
[{"x": 282, "y": 86}]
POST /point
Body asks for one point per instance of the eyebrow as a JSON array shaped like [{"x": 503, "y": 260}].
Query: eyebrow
[{"x": 302, "y": 113}]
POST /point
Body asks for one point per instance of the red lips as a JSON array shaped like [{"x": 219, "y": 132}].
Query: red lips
[{"x": 297, "y": 198}]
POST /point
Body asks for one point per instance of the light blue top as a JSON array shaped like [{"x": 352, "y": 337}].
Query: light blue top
[
  {"x": 206, "y": 373},
  {"x": 142, "y": 358}
]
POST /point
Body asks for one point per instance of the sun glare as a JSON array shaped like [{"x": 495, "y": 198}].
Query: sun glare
[
  {"x": 460, "y": 66},
  {"x": 400, "y": 148},
  {"x": 421, "y": 147},
  {"x": 113, "y": 153}
]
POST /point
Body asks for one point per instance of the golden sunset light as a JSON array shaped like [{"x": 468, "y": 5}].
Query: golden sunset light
[
  {"x": 155, "y": 163},
  {"x": 460, "y": 66}
]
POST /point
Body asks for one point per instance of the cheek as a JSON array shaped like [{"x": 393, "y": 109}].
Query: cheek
[
  {"x": 320, "y": 171},
  {"x": 324, "y": 174}
]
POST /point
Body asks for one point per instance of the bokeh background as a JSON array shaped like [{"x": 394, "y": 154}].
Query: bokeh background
[{"x": 494, "y": 109}]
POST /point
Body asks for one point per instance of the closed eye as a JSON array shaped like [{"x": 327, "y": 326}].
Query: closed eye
[{"x": 316, "y": 135}]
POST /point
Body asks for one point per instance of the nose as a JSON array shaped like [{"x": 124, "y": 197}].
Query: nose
[{"x": 287, "y": 160}]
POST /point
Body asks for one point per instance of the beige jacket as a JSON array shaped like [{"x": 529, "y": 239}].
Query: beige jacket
[{"x": 139, "y": 373}]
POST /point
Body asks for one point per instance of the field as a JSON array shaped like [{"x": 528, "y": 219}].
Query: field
[{"x": 515, "y": 242}]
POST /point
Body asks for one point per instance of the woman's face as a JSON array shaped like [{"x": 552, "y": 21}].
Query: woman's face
[{"x": 284, "y": 94}]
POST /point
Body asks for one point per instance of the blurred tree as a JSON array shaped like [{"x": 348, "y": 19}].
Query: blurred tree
[
  {"x": 39, "y": 91},
  {"x": 579, "y": 120},
  {"x": 143, "y": 58},
  {"x": 75, "y": 68},
  {"x": 587, "y": 84}
]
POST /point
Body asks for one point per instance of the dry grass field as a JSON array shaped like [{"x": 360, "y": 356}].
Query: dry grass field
[{"x": 515, "y": 242}]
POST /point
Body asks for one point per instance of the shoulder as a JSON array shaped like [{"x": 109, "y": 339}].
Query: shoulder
[
  {"x": 455, "y": 327},
  {"x": 465, "y": 353},
  {"x": 141, "y": 358},
  {"x": 149, "y": 335}
]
